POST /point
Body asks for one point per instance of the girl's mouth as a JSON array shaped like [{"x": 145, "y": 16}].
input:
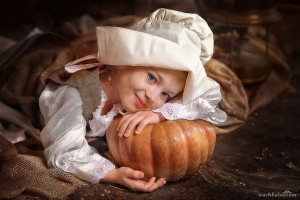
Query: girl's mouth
[{"x": 139, "y": 102}]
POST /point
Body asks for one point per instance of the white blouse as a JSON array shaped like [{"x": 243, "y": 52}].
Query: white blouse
[
  {"x": 65, "y": 127},
  {"x": 64, "y": 135}
]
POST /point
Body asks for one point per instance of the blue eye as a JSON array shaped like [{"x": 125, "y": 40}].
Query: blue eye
[
  {"x": 165, "y": 95},
  {"x": 151, "y": 77}
]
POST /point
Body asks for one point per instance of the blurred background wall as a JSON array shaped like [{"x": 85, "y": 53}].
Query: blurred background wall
[{"x": 17, "y": 17}]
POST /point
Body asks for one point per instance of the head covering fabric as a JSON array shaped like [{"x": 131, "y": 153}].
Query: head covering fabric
[{"x": 167, "y": 39}]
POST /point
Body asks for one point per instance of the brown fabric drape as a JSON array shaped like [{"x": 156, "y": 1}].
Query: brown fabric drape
[{"x": 25, "y": 68}]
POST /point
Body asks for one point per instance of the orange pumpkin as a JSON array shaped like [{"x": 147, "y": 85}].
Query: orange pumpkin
[{"x": 169, "y": 149}]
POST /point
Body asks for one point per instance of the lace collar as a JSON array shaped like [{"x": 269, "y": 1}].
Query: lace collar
[{"x": 100, "y": 122}]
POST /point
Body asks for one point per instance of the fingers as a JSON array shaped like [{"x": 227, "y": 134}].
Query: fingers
[
  {"x": 132, "y": 123},
  {"x": 134, "y": 181},
  {"x": 141, "y": 126},
  {"x": 135, "y": 174},
  {"x": 136, "y": 122},
  {"x": 121, "y": 125},
  {"x": 146, "y": 186},
  {"x": 127, "y": 125},
  {"x": 152, "y": 185}
]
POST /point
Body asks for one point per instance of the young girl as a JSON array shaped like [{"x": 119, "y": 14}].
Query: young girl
[{"x": 149, "y": 73}]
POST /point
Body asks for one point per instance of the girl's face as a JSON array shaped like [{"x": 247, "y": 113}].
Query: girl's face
[{"x": 147, "y": 88}]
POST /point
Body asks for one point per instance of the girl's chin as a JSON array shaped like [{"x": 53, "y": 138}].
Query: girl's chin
[
  {"x": 133, "y": 109},
  {"x": 129, "y": 109}
]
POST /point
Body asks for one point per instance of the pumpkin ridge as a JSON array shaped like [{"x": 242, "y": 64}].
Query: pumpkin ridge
[
  {"x": 206, "y": 142},
  {"x": 151, "y": 153},
  {"x": 207, "y": 137},
  {"x": 210, "y": 136},
  {"x": 157, "y": 146},
  {"x": 184, "y": 129},
  {"x": 122, "y": 159},
  {"x": 178, "y": 147},
  {"x": 195, "y": 146},
  {"x": 140, "y": 158},
  {"x": 169, "y": 164}
]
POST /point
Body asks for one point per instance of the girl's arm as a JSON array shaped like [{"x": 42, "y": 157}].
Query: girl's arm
[
  {"x": 64, "y": 135},
  {"x": 66, "y": 147}
]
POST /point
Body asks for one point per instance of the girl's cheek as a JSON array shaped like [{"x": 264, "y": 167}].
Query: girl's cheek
[{"x": 158, "y": 104}]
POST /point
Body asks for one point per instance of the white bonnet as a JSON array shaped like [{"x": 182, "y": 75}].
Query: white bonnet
[{"x": 167, "y": 39}]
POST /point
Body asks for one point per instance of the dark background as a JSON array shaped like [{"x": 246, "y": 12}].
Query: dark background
[{"x": 236, "y": 170}]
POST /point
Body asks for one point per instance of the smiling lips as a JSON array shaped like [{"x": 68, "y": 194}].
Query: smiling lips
[{"x": 140, "y": 103}]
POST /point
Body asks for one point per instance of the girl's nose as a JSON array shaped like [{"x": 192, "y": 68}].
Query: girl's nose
[
  {"x": 154, "y": 99},
  {"x": 149, "y": 96},
  {"x": 152, "y": 96}
]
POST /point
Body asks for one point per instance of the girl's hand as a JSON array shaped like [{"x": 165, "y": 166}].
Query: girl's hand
[
  {"x": 132, "y": 179},
  {"x": 136, "y": 122}
]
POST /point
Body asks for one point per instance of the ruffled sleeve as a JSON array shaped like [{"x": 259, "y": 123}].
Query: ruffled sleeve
[
  {"x": 64, "y": 135},
  {"x": 203, "y": 107}
]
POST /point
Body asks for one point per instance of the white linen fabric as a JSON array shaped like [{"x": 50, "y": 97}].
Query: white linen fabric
[
  {"x": 100, "y": 123},
  {"x": 204, "y": 107},
  {"x": 64, "y": 135}
]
